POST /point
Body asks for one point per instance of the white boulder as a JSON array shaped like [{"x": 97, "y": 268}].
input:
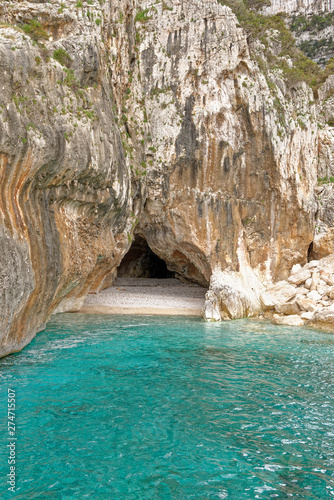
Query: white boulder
[
  {"x": 307, "y": 315},
  {"x": 307, "y": 304},
  {"x": 308, "y": 283},
  {"x": 299, "y": 278},
  {"x": 293, "y": 320},
  {"x": 314, "y": 295},
  {"x": 288, "y": 308},
  {"x": 296, "y": 268},
  {"x": 211, "y": 310},
  {"x": 282, "y": 292}
]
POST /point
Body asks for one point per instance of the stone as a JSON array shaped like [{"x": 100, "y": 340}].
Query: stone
[
  {"x": 328, "y": 278},
  {"x": 238, "y": 293},
  {"x": 312, "y": 264},
  {"x": 314, "y": 295},
  {"x": 211, "y": 307},
  {"x": 322, "y": 289},
  {"x": 307, "y": 315},
  {"x": 302, "y": 291},
  {"x": 300, "y": 277},
  {"x": 315, "y": 280},
  {"x": 293, "y": 320},
  {"x": 308, "y": 283},
  {"x": 307, "y": 304},
  {"x": 282, "y": 292},
  {"x": 288, "y": 308},
  {"x": 296, "y": 268},
  {"x": 267, "y": 302},
  {"x": 325, "y": 317}
]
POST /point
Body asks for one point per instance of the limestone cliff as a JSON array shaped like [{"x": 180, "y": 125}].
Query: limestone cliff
[
  {"x": 123, "y": 118},
  {"x": 297, "y": 7},
  {"x": 311, "y": 22}
]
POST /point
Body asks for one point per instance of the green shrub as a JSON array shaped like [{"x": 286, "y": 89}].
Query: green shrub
[
  {"x": 62, "y": 57},
  {"x": 70, "y": 79},
  {"x": 142, "y": 16},
  {"x": 313, "y": 24},
  {"x": 312, "y": 47},
  {"x": 325, "y": 180},
  {"x": 165, "y": 6},
  {"x": 35, "y": 30}
]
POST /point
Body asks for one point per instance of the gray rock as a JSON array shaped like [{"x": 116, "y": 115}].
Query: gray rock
[
  {"x": 302, "y": 291},
  {"x": 315, "y": 280},
  {"x": 328, "y": 278}
]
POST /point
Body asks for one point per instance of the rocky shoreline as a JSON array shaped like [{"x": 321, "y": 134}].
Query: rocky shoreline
[{"x": 306, "y": 297}]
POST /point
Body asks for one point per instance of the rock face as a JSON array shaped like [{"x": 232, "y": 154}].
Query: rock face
[
  {"x": 299, "y": 6},
  {"x": 122, "y": 119},
  {"x": 65, "y": 188},
  {"x": 311, "y": 22}
]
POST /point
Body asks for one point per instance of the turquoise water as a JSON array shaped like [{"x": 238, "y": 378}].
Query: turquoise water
[{"x": 142, "y": 408}]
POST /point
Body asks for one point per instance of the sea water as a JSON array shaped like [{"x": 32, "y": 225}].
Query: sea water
[{"x": 140, "y": 408}]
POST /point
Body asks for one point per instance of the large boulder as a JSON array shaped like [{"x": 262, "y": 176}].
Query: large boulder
[
  {"x": 325, "y": 317},
  {"x": 288, "y": 308},
  {"x": 300, "y": 277},
  {"x": 282, "y": 292},
  {"x": 293, "y": 320},
  {"x": 306, "y": 304},
  {"x": 211, "y": 310}
]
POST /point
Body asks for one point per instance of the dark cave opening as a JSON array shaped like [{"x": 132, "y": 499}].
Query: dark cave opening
[
  {"x": 141, "y": 262},
  {"x": 310, "y": 253}
]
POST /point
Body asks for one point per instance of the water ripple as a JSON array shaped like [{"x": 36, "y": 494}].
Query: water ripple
[{"x": 172, "y": 408}]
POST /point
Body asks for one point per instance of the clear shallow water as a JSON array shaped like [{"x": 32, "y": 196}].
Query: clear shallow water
[{"x": 171, "y": 408}]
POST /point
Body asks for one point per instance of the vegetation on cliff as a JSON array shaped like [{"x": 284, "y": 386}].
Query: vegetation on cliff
[
  {"x": 296, "y": 66},
  {"x": 313, "y": 24}
]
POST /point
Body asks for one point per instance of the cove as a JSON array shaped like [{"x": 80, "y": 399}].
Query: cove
[{"x": 142, "y": 408}]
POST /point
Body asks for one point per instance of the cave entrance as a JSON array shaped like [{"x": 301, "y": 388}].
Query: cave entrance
[
  {"x": 310, "y": 253},
  {"x": 141, "y": 262}
]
